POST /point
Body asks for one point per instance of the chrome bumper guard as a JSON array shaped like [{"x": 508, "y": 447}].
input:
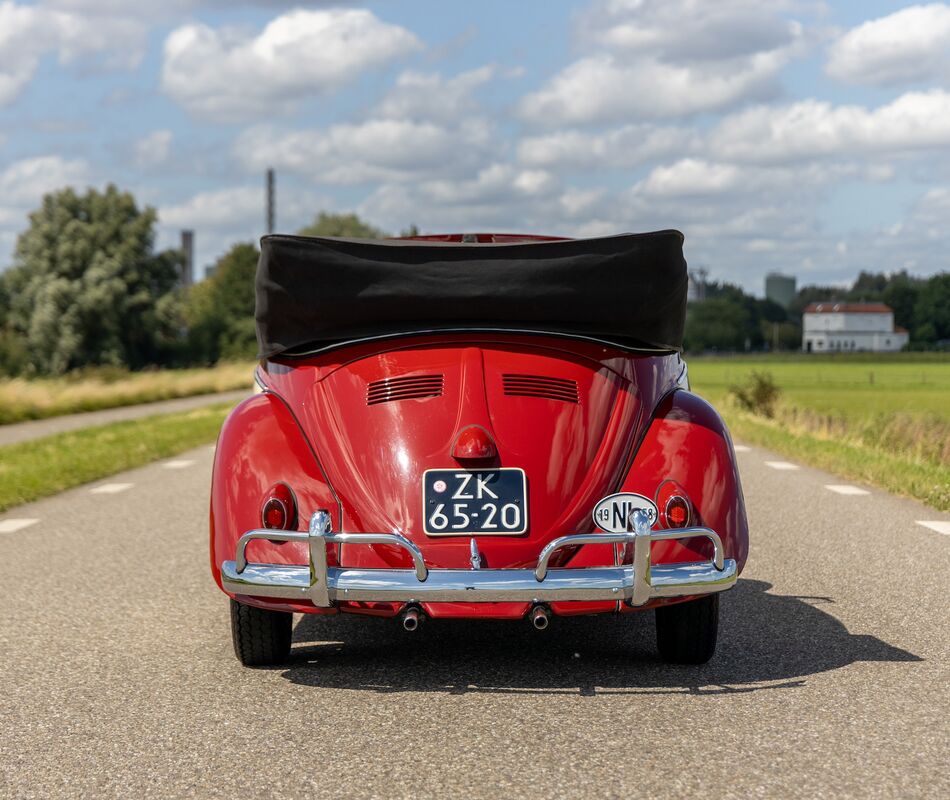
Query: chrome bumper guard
[{"x": 635, "y": 583}]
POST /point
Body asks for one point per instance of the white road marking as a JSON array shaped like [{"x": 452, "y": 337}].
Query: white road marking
[
  {"x": 938, "y": 525},
  {"x": 111, "y": 488},
  {"x": 846, "y": 489},
  {"x": 781, "y": 465},
  {"x": 14, "y": 525},
  {"x": 740, "y": 448},
  {"x": 180, "y": 464}
]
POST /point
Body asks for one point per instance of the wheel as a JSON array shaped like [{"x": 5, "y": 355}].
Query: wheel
[
  {"x": 261, "y": 637},
  {"x": 686, "y": 632}
]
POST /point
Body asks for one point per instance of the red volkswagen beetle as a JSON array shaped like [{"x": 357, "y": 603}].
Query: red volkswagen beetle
[{"x": 476, "y": 425}]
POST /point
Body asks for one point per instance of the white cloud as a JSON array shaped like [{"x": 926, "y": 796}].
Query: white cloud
[
  {"x": 430, "y": 96},
  {"x": 23, "y": 184},
  {"x": 230, "y": 75},
  {"x": 27, "y": 33},
  {"x": 619, "y": 148},
  {"x": 912, "y": 44},
  {"x": 667, "y": 58},
  {"x": 375, "y": 150},
  {"x": 689, "y": 30},
  {"x": 812, "y": 129},
  {"x": 153, "y": 149},
  {"x": 220, "y": 208},
  {"x": 602, "y": 89}
]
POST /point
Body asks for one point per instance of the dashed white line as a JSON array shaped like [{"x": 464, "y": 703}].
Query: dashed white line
[
  {"x": 844, "y": 488},
  {"x": 782, "y": 465},
  {"x": 180, "y": 464},
  {"x": 741, "y": 448},
  {"x": 938, "y": 525},
  {"x": 111, "y": 488},
  {"x": 14, "y": 525}
]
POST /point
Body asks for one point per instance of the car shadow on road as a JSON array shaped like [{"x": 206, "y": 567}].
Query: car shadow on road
[{"x": 766, "y": 642}]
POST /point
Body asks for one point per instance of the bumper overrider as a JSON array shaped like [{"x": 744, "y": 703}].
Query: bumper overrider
[{"x": 322, "y": 585}]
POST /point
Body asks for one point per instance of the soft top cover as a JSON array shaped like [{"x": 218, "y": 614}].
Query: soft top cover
[{"x": 313, "y": 292}]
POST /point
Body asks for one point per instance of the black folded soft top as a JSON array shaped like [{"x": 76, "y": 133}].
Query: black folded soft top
[{"x": 312, "y": 293}]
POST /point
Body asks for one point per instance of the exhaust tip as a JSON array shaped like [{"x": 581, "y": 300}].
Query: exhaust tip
[
  {"x": 540, "y": 618},
  {"x": 411, "y": 619}
]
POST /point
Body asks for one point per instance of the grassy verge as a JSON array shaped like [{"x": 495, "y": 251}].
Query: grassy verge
[
  {"x": 42, "y": 467},
  {"x": 22, "y": 399},
  {"x": 895, "y": 472},
  {"x": 881, "y": 420}
]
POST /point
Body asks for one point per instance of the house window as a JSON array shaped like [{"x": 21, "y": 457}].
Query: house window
[{"x": 887, "y": 342}]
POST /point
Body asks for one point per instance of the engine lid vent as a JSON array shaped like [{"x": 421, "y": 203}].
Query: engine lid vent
[
  {"x": 411, "y": 387},
  {"x": 540, "y": 386}
]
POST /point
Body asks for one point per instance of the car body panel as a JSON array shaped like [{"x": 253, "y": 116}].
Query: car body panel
[{"x": 632, "y": 428}]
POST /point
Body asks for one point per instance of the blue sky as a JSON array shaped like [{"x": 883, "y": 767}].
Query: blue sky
[{"x": 811, "y": 138}]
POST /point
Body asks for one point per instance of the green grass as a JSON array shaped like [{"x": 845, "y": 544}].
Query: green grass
[
  {"x": 42, "y": 467},
  {"x": 91, "y": 390},
  {"x": 880, "y": 419}
]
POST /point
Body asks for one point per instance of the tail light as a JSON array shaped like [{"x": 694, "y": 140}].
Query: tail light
[
  {"x": 279, "y": 509},
  {"x": 676, "y": 511}
]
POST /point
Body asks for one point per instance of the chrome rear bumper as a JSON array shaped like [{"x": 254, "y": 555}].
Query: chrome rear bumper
[{"x": 322, "y": 585}]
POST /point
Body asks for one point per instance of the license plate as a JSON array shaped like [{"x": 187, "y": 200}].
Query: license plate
[{"x": 484, "y": 502}]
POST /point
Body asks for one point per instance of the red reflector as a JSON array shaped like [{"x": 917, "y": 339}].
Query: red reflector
[
  {"x": 677, "y": 512},
  {"x": 274, "y": 514}
]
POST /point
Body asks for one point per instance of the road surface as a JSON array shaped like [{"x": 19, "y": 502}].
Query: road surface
[
  {"x": 117, "y": 676},
  {"x": 36, "y": 428}
]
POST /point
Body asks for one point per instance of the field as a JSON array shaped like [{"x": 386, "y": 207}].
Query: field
[
  {"x": 22, "y": 399},
  {"x": 880, "y": 419}
]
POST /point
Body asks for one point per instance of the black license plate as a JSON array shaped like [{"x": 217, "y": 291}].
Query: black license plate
[{"x": 487, "y": 502}]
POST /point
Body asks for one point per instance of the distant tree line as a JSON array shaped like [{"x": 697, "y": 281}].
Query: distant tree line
[
  {"x": 87, "y": 289},
  {"x": 729, "y": 319}
]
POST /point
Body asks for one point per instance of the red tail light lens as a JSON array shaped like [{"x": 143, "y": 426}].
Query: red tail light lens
[
  {"x": 279, "y": 509},
  {"x": 677, "y": 512}
]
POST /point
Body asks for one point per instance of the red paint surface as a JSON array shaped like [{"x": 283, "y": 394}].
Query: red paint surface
[{"x": 628, "y": 431}]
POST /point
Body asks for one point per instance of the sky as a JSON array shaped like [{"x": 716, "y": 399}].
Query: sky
[{"x": 807, "y": 138}]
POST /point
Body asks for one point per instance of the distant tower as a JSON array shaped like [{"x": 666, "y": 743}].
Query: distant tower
[
  {"x": 780, "y": 289},
  {"x": 188, "y": 260},
  {"x": 270, "y": 200}
]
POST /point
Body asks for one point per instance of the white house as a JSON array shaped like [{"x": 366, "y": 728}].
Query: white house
[{"x": 846, "y": 327}]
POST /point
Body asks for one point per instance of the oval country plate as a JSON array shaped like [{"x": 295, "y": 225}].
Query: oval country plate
[{"x": 611, "y": 513}]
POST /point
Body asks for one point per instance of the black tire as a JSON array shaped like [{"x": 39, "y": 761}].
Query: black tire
[
  {"x": 686, "y": 632},
  {"x": 261, "y": 637}
]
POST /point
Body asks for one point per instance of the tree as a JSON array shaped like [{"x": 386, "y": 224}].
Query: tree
[
  {"x": 86, "y": 284},
  {"x": 932, "y": 310},
  {"x": 718, "y": 323},
  {"x": 348, "y": 225},
  {"x": 219, "y": 311}
]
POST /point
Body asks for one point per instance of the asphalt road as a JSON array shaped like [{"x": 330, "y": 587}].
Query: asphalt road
[
  {"x": 36, "y": 428},
  {"x": 117, "y": 676}
]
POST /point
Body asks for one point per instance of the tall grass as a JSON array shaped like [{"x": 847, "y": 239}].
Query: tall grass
[{"x": 92, "y": 390}]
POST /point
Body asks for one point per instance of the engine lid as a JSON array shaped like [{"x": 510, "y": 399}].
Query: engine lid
[{"x": 382, "y": 421}]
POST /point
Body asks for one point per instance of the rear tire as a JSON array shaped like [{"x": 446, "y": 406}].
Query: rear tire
[
  {"x": 686, "y": 632},
  {"x": 261, "y": 637}
]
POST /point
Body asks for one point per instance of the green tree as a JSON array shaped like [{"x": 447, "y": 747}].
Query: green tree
[
  {"x": 348, "y": 225},
  {"x": 219, "y": 311},
  {"x": 86, "y": 283},
  {"x": 932, "y": 310},
  {"x": 718, "y": 323}
]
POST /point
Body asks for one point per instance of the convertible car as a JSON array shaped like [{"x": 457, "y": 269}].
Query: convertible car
[{"x": 478, "y": 426}]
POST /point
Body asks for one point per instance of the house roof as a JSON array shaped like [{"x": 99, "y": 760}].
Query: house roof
[{"x": 831, "y": 307}]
